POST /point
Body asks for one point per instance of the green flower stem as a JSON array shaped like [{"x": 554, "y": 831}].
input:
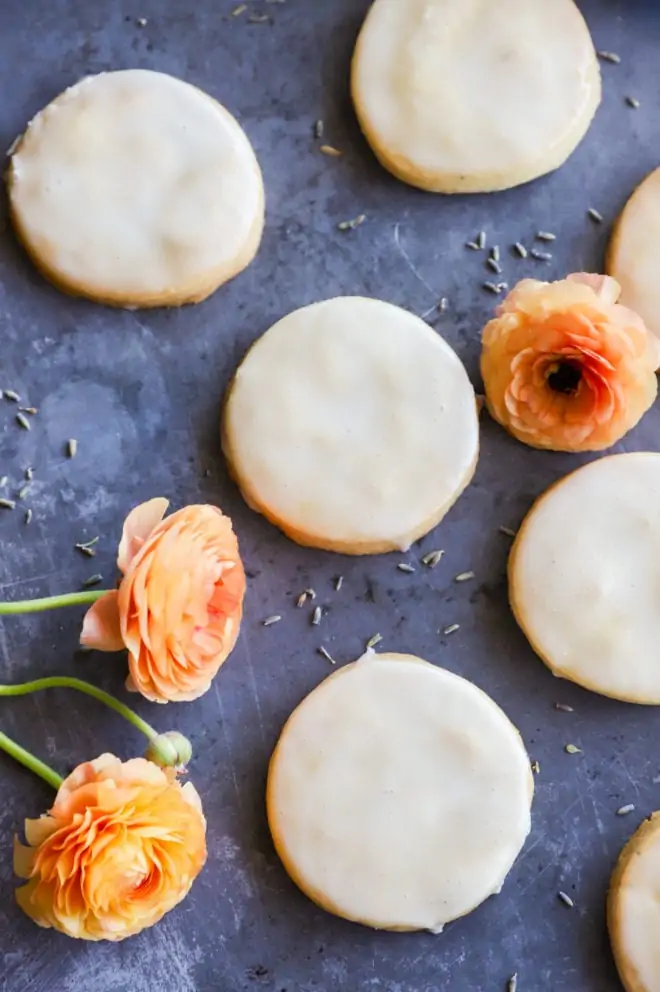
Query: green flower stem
[
  {"x": 29, "y": 761},
  {"x": 53, "y": 602},
  {"x": 64, "y": 682}
]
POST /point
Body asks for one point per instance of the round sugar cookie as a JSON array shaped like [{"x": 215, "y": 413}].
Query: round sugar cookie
[
  {"x": 399, "y": 794},
  {"x": 136, "y": 189},
  {"x": 633, "y": 257},
  {"x": 352, "y": 426},
  {"x": 584, "y": 577},
  {"x": 462, "y": 96},
  {"x": 633, "y": 910}
]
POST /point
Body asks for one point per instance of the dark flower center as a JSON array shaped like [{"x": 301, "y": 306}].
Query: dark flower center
[{"x": 565, "y": 377}]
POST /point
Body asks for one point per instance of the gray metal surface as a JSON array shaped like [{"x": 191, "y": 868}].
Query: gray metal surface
[{"x": 141, "y": 393}]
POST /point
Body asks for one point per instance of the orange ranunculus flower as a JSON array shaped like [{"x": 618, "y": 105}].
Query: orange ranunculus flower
[
  {"x": 565, "y": 366},
  {"x": 179, "y": 605},
  {"x": 120, "y": 847}
]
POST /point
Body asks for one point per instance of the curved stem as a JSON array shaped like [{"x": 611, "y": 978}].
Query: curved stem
[
  {"x": 65, "y": 682},
  {"x": 29, "y": 761},
  {"x": 52, "y": 602}
]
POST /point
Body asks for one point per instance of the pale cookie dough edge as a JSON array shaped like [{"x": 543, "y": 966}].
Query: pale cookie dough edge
[
  {"x": 518, "y": 609},
  {"x": 432, "y": 181},
  {"x": 646, "y": 834},
  {"x": 194, "y": 291},
  {"x": 313, "y": 893},
  {"x": 309, "y": 539},
  {"x": 616, "y": 237}
]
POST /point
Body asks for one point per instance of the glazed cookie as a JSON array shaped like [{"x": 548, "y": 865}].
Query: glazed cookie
[
  {"x": 399, "y": 794},
  {"x": 633, "y": 257},
  {"x": 461, "y": 96},
  {"x": 352, "y": 426},
  {"x": 633, "y": 910},
  {"x": 584, "y": 575},
  {"x": 136, "y": 189}
]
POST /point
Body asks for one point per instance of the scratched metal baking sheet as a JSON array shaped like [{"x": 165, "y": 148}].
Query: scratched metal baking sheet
[{"x": 141, "y": 393}]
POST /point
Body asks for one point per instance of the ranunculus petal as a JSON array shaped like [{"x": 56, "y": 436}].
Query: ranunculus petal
[
  {"x": 36, "y": 831},
  {"x": 130, "y": 684},
  {"x": 23, "y": 858},
  {"x": 138, "y": 525},
  {"x": 82, "y": 775},
  {"x": 607, "y": 288},
  {"x": 191, "y": 795},
  {"x": 101, "y": 627}
]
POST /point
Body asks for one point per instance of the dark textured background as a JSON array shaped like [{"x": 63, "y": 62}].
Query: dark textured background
[{"x": 141, "y": 392}]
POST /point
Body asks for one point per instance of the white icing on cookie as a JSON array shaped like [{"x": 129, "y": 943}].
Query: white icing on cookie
[
  {"x": 136, "y": 189},
  {"x": 465, "y": 96},
  {"x": 352, "y": 426},
  {"x": 634, "y": 910},
  {"x": 399, "y": 794},
  {"x": 585, "y": 577},
  {"x": 634, "y": 253}
]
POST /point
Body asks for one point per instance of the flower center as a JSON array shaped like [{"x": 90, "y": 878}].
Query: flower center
[{"x": 564, "y": 377}]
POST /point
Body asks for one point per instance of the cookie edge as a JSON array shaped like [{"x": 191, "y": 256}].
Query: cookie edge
[
  {"x": 195, "y": 290},
  {"x": 311, "y": 892},
  {"x": 311, "y": 539},
  {"x": 451, "y": 183},
  {"x": 648, "y": 832},
  {"x": 515, "y": 601}
]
